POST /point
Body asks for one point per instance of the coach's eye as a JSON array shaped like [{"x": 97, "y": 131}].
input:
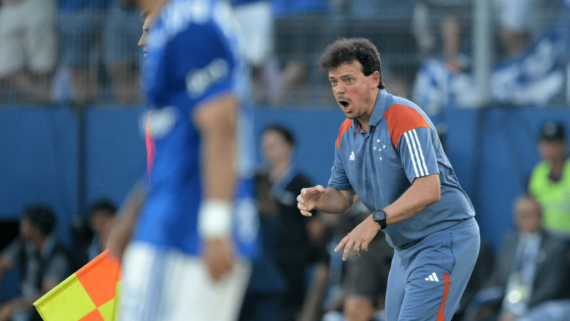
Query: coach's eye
[{"x": 349, "y": 80}]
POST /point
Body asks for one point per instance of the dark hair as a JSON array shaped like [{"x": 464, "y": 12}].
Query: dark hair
[
  {"x": 287, "y": 135},
  {"x": 347, "y": 50},
  {"x": 103, "y": 205},
  {"x": 42, "y": 218}
]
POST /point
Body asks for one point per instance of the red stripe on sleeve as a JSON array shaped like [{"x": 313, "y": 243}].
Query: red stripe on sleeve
[
  {"x": 401, "y": 119},
  {"x": 440, "y": 313},
  {"x": 150, "y": 147},
  {"x": 345, "y": 125}
]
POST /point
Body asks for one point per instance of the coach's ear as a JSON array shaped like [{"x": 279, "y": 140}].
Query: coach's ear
[{"x": 375, "y": 79}]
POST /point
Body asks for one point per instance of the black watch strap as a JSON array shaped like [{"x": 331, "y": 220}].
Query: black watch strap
[{"x": 380, "y": 218}]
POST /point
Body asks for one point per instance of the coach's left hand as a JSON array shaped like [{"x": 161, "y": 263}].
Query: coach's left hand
[{"x": 359, "y": 238}]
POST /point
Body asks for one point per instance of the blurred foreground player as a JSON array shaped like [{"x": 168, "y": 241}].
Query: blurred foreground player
[
  {"x": 188, "y": 256},
  {"x": 389, "y": 154}
]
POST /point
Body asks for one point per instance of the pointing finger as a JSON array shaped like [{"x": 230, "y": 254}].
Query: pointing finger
[
  {"x": 347, "y": 248},
  {"x": 341, "y": 244}
]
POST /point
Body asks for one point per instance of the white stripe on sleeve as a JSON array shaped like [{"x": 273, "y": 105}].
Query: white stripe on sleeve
[
  {"x": 415, "y": 148},
  {"x": 411, "y": 153},
  {"x": 421, "y": 152}
]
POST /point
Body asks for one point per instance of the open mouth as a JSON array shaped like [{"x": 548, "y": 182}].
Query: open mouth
[{"x": 344, "y": 103}]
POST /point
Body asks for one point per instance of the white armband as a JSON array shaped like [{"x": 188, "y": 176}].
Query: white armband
[{"x": 215, "y": 219}]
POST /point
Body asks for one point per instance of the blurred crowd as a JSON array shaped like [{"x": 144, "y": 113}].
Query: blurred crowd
[
  {"x": 298, "y": 276},
  {"x": 85, "y": 51}
]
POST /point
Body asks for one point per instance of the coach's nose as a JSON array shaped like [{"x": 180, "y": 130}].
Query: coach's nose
[{"x": 339, "y": 88}]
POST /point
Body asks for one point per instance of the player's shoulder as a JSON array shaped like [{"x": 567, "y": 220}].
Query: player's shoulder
[
  {"x": 178, "y": 16},
  {"x": 402, "y": 116},
  {"x": 343, "y": 128}
]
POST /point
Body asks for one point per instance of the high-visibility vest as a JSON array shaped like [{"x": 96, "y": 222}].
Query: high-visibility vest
[{"x": 554, "y": 197}]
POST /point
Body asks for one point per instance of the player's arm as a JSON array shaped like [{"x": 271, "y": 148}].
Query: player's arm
[
  {"x": 216, "y": 120},
  {"x": 124, "y": 222}
]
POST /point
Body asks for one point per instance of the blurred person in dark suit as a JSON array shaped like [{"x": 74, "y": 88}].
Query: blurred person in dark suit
[
  {"x": 531, "y": 268},
  {"x": 42, "y": 260}
]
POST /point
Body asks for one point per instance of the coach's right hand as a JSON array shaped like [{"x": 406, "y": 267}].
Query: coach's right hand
[{"x": 308, "y": 199}]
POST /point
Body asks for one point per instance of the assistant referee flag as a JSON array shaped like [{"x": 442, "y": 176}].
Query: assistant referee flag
[{"x": 90, "y": 294}]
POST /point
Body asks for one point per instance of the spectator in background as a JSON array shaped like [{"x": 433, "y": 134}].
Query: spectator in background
[
  {"x": 28, "y": 47},
  {"x": 531, "y": 269},
  {"x": 122, "y": 57},
  {"x": 80, "y": 30},
  {"x": 299, "y": 25},
  {"x": 256, "y": 21},
  {"x": 522, "y": 21},
  {"x": 550, "y": 180},
  {"x": 442, "y": 29},
  {"x": 42, "y": 260},
  {"x": 101, "y": 217},
  {"x": 277, "y": 288},
  {"x": 443, "y": 33}
]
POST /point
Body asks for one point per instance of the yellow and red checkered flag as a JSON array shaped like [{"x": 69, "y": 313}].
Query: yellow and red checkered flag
[{"x": 90, "y": 294}]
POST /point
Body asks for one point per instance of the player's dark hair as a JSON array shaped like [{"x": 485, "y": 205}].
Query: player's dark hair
[
  {"x": 347, "y": 50},
  {"x": 284, "y": 132},
  {"x": 103, "y": 205},
  {"x": 42, "y": 218}
]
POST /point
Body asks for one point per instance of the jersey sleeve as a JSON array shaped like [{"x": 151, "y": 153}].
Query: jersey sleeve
[
  {"x": 190, "y": 68},
  {"x": 338, "y": 179},
  {"x": 417, "y": 153}
]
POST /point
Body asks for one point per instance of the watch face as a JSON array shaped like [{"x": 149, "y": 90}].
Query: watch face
[{"x": 379, "y": 216}]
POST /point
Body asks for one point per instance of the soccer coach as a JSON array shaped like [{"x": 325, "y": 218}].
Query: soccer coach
[{"x": 389, "y": 154}]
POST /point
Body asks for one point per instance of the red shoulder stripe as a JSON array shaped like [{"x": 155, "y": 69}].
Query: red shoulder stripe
[
  {"x": 345, "y": 125},
  {"x": 402, "y": 118}
]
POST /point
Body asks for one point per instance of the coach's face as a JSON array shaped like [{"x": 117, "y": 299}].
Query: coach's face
[{"x": 354, "y": 92}]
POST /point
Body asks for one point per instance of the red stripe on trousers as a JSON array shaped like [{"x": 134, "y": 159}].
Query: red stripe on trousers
[{"x": 440, "y": 314}]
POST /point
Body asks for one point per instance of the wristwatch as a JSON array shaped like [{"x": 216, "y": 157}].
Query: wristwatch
[{"x": 380, "y": 218}]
